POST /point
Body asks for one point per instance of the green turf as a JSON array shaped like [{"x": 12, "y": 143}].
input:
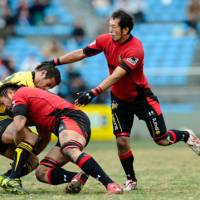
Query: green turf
[{"x": 163, "y": 173}]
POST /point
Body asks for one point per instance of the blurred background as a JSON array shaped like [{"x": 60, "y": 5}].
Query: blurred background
[{"x": 32, "y": 31}]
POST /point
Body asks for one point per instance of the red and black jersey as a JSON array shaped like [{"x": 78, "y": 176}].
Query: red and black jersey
[
  {"x": 40, "y": 107},
  {"x": 129, "y": 56}
]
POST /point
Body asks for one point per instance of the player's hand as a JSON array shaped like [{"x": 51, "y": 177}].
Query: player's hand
[
  {"x": 46, "y": 64},
  {"x": 83, "y": 98},
  {"x": 50, "y": 63}
]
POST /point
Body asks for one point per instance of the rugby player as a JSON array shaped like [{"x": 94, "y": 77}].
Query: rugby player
[
  {"x": 130, "y": 91},
  {"x": 51, "y": 113},
  {"x": 42, "y": 77}
]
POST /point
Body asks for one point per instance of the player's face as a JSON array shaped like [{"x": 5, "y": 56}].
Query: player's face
[
  {"x": 115, "y": 29},
  {"x": 118, "y": 34},
  {"x": 46, "y": 83},
  {"x": 6, "y": 102}
]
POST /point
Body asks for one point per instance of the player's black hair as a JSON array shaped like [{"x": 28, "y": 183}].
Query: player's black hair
[
  {"x": 5, "y": 87},
  {"x": 52, "y": 72},
  {"x": 126, "y": 20}
]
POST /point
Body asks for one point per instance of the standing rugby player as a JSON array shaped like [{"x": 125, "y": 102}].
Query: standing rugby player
[{"x": 130, "y": 92}]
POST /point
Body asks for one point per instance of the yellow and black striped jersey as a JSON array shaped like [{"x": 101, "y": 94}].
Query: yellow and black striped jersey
[{"x": 20, "y": 78}]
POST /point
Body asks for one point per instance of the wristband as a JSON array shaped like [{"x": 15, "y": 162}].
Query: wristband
[
  {"x": 57, "y": 61},
  {"x": 96, "y": 91}
]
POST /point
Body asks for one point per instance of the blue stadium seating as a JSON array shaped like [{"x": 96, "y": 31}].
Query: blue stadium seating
[
  {"x": 62, "y": 14},
  {"x": 165, "y": 44},
  {"x": 174, "y": 11},
  {"x": 64, "y": 21},
  {"x": 55, "y": 30},
  {"x": 20, "y": 49},
  {"x": 164, "y": 49}
]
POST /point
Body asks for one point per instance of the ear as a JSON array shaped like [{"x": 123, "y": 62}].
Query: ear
[{"x": 125, "y": 30}]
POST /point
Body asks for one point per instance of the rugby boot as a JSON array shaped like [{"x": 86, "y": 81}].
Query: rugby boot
[
  {"x": 130, "y": 185},
  {"x": 114, "y": 188},
  {"x": 193, "y": 142},
  {"x": 13, "y": 186},
  {"x": 77, "y": 183},
  {"x": 2, "y": 177}
]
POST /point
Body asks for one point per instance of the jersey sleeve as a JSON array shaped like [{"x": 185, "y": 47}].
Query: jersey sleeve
[
  {"x": 131, "y": 60},
  {"x": 94, "y": 48},
  {"x": 19, "y": 103}
]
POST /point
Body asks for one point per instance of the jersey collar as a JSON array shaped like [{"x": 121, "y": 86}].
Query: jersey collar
[
  {"x": 129, "y": 38},
  {"x": 126, "y": 41}
]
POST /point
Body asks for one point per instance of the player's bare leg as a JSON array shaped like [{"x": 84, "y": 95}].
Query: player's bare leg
[
  {"x": 126, "y": 158},
  {"x": 72, "y": 144},
  {"x": 50, "y": 171}
]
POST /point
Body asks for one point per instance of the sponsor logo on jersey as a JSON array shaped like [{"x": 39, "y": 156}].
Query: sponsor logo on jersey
[{"x": 132, "y": 60}]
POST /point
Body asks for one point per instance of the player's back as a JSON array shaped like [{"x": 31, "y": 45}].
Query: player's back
[{"x": 41, "y": 106}]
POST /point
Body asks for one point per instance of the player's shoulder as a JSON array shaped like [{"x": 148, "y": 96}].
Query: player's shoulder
[
  {"x": 138, "y": 46},
  {"x": 104, "y": 37},
  {"x": 20, "y": 74},
  {"x": 24, "y": 90},
  {"x": 138, "y": 49},
  {"x": 21, "y": 93},
  {"x": 24, "y": 78}
]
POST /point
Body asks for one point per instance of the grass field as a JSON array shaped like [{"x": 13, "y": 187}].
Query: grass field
[{"x": 163, "y": 173}]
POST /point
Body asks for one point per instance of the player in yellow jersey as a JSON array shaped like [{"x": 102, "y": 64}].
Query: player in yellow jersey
[
  {"x": 42, "y": 77},
  {"x": 45, "y": 78}
]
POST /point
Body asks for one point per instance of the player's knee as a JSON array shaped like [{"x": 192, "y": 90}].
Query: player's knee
[
  {"x": 41, "y": 173},
  {"x": 71, "y": 153},
  {"x": 7, "y": 138},
  {"x": 123, "y": 143},
  {"x": 71, "y": 149}
]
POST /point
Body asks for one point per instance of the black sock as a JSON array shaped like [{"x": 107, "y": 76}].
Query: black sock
[
  {"x": 175, "y": 136},
  {"x": 26, "y": 170},
  {"x": 56, "y": 174},
  {"x": 127, "y": 160},
  {"x": 59, "y": 175},
  {"x": 21, "y": 155},
  {"x": 92, "y": 168}
]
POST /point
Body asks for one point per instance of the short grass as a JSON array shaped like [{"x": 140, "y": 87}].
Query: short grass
[{"x": 164, "y": 173}]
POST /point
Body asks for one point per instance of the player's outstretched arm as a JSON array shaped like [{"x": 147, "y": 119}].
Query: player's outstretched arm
[
  {"x": 70, "y": 57},
  {"x": 83, "y": 98}
]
